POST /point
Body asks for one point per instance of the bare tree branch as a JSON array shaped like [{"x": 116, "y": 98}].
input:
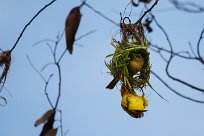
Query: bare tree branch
[
  {"x": 147, "y": 11},
  {"x": 45, "y": 81},
  {"x": 173, "y": 54},
  {"x": 189, "y": 7},
  {"x": 179, "y": 80},
  {"x": 173, "y": 90},
  {"x": 32, "y": 19},
  {"x": 201, "y": 59},
  {"x": 156, "y": 48},
  {"x": 42, "y": 77},
  {"x": 99, "y": 13},
  {"x": 4, "y": 99}
]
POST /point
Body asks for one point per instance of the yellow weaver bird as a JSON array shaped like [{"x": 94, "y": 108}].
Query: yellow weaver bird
[{"x": 133, "y": 104}]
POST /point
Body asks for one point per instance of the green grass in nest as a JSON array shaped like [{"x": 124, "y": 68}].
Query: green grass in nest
[{"x": 120, "y": 59}]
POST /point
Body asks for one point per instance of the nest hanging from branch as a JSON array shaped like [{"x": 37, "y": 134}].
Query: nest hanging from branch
[
  {"x": 131, "y": 66},
  {"x": 130, "y": 61}
]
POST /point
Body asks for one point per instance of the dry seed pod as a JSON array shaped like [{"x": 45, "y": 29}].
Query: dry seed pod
[
  {"x": 51, "y": 132},
  {"x": 5, "y": 61},
  {"x": 71, "y": 26},
  {"x": 48, "y": 126},
  {"x": 44, "y": 117},
  {"x": 145, "y": 1}
]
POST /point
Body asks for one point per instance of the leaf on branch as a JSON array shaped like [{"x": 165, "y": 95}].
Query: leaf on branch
[
  {"x": 145, "y": 1},
  {"x": 44, "y": 118},
  {"x": 71, "y": 26},
  {"x": 5, "y": 62},
  {"x": 51, "y": 132},
  {"x": 48, "y": 126}
]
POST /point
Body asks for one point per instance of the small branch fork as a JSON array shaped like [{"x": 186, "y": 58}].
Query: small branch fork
[
  {"x": 56, "y": 63},
  {"x": 147, "y": 11}
]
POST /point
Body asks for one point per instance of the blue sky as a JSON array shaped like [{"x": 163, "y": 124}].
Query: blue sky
[{"x": 88, "y": 108}]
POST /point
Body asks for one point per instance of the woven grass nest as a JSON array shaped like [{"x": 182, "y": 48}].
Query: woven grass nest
[{"x": 118, "y": 66}]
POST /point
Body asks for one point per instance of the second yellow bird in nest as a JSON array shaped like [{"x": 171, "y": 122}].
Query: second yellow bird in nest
[{"x": 135, "y": 64}]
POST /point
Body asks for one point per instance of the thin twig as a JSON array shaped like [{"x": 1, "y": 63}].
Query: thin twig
[
  {"x": 171, "y": 57},
  {"x": 4, "y": 99},
  {"x": 185, "y": 6},
  {"x": 86, "y": 34},
  {"x": 173, "y": 90},
  {"x": 8, "y": 92},
  {"x": 46, "y": 65},
  {"x": 198, "y": 47},
  {"x": 59, "y": 84},
  {"x": 36, "y": 69},
  {"x": 179, "y": 80},
  {"x": 61, "y": 126},
  {"x": 51, "y": 50},
  {"x": 191, "y": 48},
  {"x": 59, "y": 37},
  {"x": 45, "y": 90},
  {"x": 168, "y": 51},
  {"x": 147, "y": 11},
  {"x": 25, "y": 27},
  {"x": 99, "y": 13},
  {"x": 79, "y": 38},
  {"x": 41, "y": 41},
  {"x": 66, "y": 132},
  {"x": 45, "y": 81},
  {"x": 163, "y": 30}
]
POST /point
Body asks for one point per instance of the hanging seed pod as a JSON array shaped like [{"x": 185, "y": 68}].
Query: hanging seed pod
[
  {"x": 145, "y": 1},
  {"x": 44, "y": 117},
  {"x": 48, "y": 126},
  {"x": 71, "y": 26},
  {"x": 5, "y": 61}
]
